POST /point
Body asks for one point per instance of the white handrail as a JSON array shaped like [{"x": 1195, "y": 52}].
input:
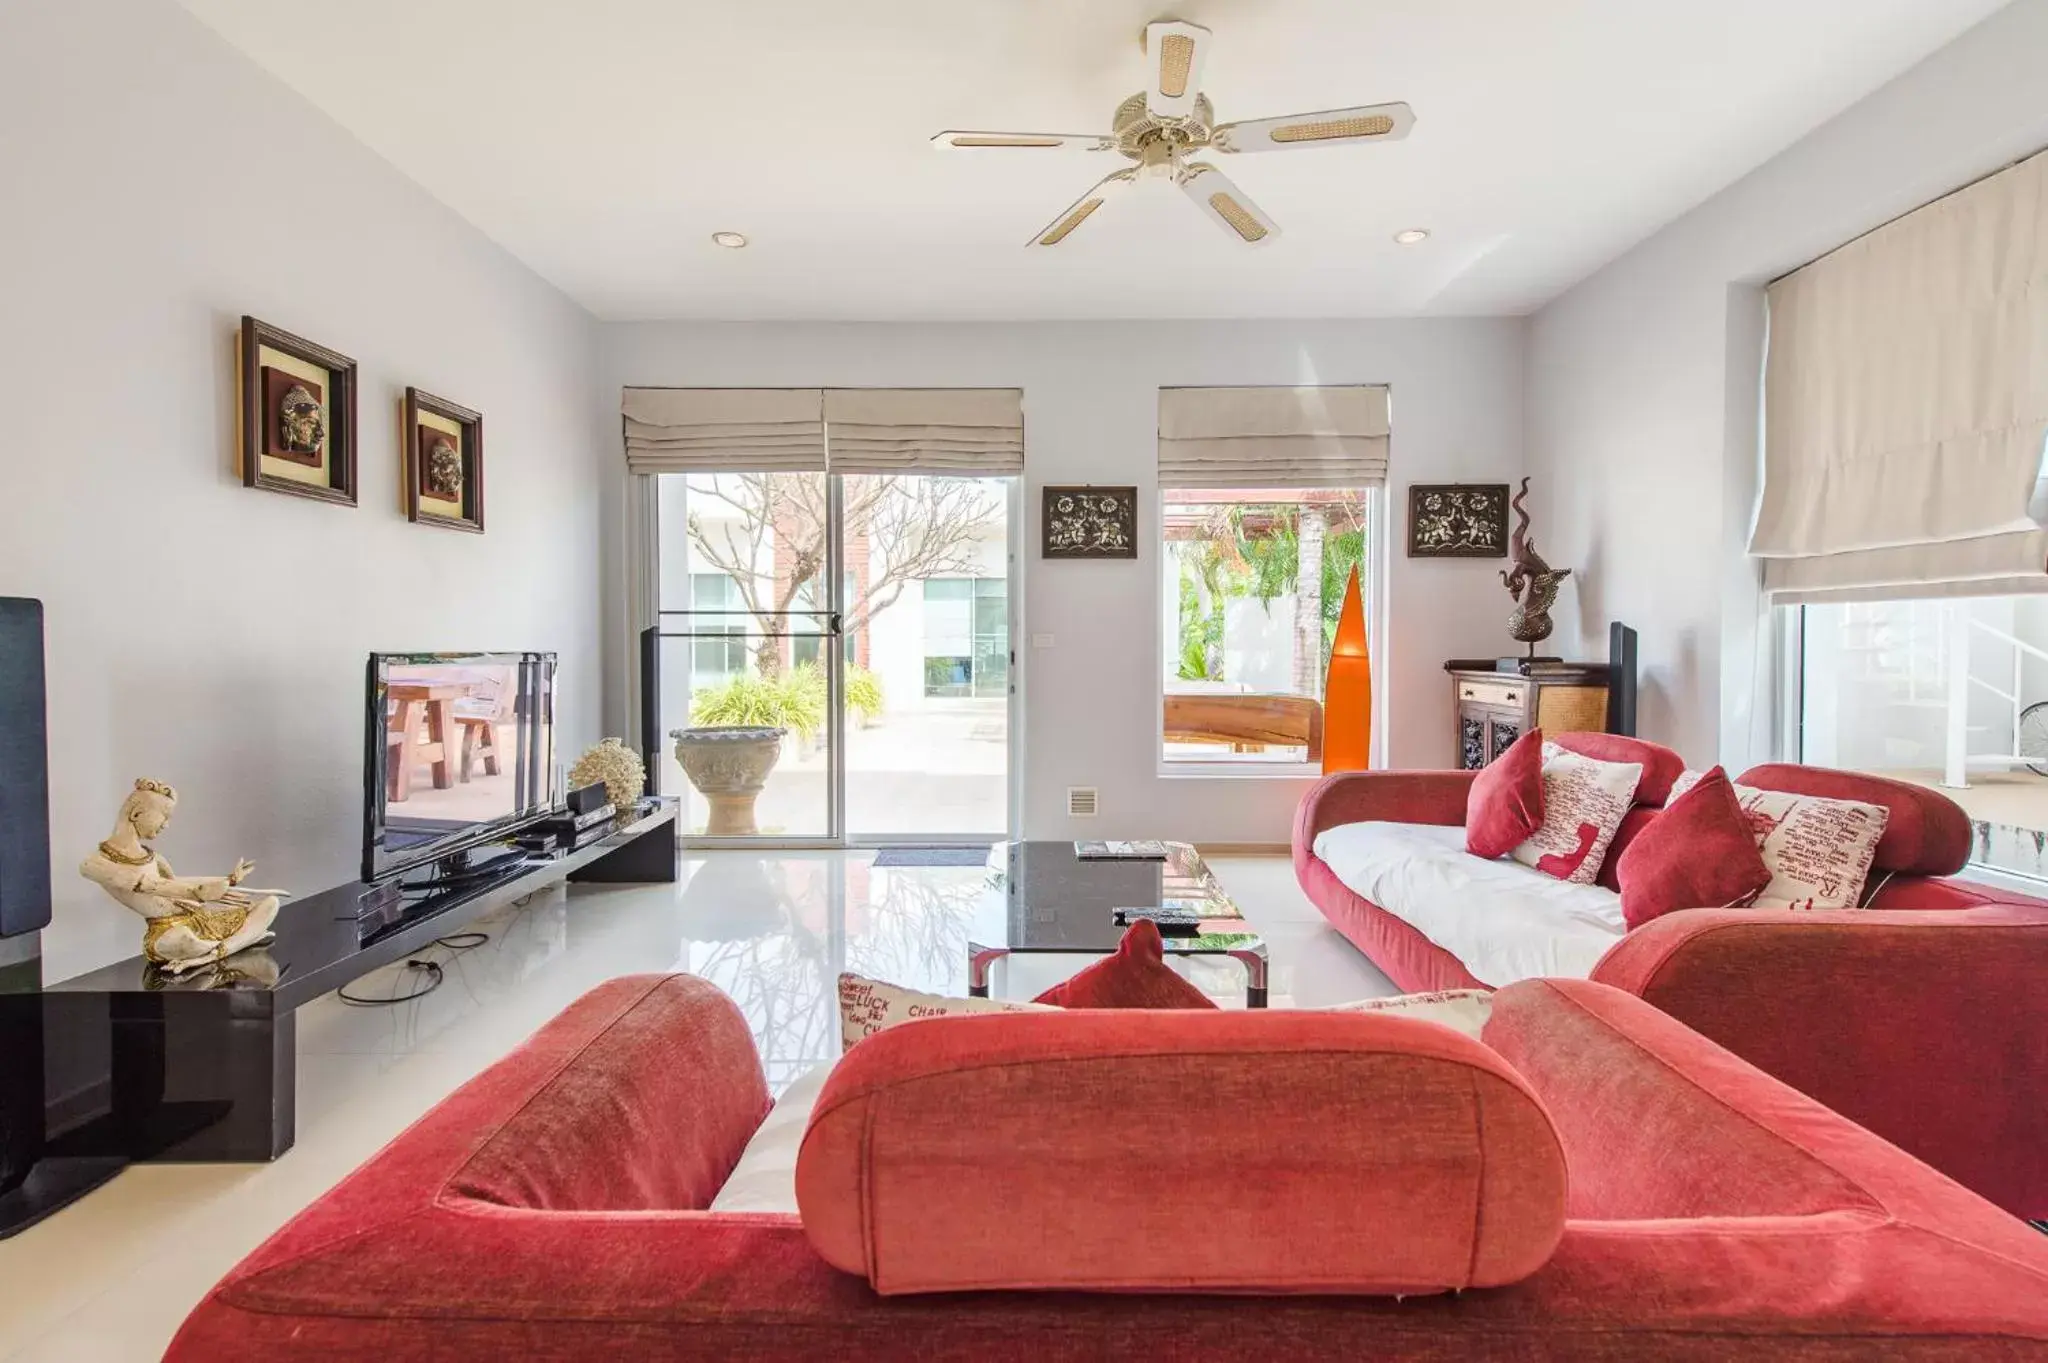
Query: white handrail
[
  {"x": 1956, "y": 764},
  {"x": 2004, "y": 638},
  {"x": 1955, "y": 772}
]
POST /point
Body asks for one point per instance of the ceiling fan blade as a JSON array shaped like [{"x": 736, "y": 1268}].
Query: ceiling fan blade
[
  {"x": 1176, "y": 51},
  {"x": 1367, "y": 123},
  {"x": 1226, "y": 205},
  {"x": 1060, "y": 228},
  {"x": 955, "y": 139}
]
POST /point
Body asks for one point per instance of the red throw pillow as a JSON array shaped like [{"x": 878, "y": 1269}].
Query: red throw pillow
[
  {"x": 1698, "y": 854},
  {"x": 1505, "y": 807},
  {"x": 1137, "y": 976}
]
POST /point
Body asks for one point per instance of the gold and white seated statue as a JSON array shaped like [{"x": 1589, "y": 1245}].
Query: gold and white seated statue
[{"x": 192, "y": 920}]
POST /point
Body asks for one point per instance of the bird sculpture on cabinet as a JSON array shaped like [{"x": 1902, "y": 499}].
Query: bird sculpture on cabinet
[{"x": 1530, "y": 581}]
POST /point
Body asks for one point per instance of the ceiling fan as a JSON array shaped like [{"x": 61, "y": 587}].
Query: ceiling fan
[{"x": 1158, "y": 128}]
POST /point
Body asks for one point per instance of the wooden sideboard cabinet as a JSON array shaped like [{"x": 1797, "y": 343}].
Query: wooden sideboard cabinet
[{"x": 1496, "y": 708}]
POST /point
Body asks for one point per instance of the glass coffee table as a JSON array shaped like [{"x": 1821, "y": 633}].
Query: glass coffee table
[{"x": 1042, "y": 898}]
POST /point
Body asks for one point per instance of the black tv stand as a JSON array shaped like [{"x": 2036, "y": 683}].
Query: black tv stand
[
  {"x": 54, "y": 1183},
  {"x": 202, "y": 1067},
  {"x": 460, "y": 869}
]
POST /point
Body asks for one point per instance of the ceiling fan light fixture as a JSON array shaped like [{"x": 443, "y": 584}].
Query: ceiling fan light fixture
[
  {"x": 731, "y": 241},
  {"x": 1159, "y": 129}
]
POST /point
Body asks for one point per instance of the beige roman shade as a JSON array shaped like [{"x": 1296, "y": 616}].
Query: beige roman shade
[
  {"x": 1906, "y": 405},
  {"x": 1272, "y": 437},
  {"x": 958, "y": 432},
  {"x": 708, "y": 430}
]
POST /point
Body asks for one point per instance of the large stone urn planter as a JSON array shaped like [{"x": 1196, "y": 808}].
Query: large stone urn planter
[{"x": 728, "y": 764}]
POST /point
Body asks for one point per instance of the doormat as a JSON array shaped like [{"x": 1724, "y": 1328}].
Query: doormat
[{"x": 932, "y": 856}]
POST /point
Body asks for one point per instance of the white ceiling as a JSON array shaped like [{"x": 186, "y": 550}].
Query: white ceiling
[{"x": 603, "y": 141}]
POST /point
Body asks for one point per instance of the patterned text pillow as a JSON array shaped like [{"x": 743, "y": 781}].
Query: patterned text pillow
[
  {"x": 868, "y": 1006},
  {"x": 1462, "y": 1010},
  {"x": 1584, "y": 801},
  {"x": 1819, "y": 850}
]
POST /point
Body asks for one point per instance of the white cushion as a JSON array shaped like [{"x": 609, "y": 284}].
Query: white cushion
[
  {"x": 765, "y": 1178},
  {"x": 1503, "y": 921},
  {"x": 868, "y": 1006},
  {"x": 1461, "y": 1010},
  {"x": 1818, "y": 850},
  {"x": 1584, "y": 802}
]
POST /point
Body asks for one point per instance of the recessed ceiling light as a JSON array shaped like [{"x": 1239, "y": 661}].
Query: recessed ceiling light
[
  {"x": 731, "y": 241},
  {"x": 1412, "y": 235}
]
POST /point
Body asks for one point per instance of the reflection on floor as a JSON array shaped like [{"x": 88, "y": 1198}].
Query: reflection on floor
[{"x": 110, "y": 1278}]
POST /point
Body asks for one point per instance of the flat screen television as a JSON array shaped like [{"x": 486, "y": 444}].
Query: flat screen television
[{"x": 459, "y": 751}]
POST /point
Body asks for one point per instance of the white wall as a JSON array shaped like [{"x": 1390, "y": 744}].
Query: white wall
[
  {"x": 1644, "y": 379},
  {"x": 1091, "y": 415},
  {"x": 159, "y": 186}
]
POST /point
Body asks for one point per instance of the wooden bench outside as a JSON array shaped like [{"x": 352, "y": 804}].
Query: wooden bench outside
[{"x": 1247, "y": 722}]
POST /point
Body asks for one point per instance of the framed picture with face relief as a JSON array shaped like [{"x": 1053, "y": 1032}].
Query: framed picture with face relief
[
  {"x": 443, "y": 462},
  {"x": 297, "y": 415}
]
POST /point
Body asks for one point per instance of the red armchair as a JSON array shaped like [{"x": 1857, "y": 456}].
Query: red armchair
[
  {"x": 1925, "y": 1018},
  {"x": 550, "y": 1209}
]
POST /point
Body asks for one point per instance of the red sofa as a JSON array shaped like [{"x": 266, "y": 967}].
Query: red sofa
[
  {"x": 1924, "y": 1017},
  {"x": 549, "y": 1210}
]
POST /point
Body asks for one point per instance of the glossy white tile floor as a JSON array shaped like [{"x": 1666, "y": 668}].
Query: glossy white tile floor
[{"x": 109, "y": 1279}]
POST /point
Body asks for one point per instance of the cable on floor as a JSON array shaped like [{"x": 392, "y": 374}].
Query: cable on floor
[{"x": 435, "y": 975}]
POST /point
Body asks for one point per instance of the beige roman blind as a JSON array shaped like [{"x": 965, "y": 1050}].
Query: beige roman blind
[
  {"x": 1906, "y": 405},
  {"x": 708, "y": 430},
  {"x": 958, "y": 432},
  {"x": 1272, "y": 437}
]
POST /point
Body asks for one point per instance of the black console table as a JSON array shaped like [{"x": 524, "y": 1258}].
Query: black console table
[{"x": 203, "y": 1067}]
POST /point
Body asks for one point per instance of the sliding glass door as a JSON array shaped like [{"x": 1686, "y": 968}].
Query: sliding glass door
[
  {"x": 868, "y": 617},
  {"x": 746, "y": 639},
  {"x": 928, "y": 638}
]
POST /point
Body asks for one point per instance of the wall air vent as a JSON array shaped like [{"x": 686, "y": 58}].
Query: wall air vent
[{"x": 1081, "y": 802}]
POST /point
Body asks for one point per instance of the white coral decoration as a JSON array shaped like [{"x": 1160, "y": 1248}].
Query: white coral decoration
[{"x": 615, "y": 764}]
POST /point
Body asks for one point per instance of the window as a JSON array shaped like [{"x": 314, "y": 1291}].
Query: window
[
  {"x": 966, "y": 636},
  {"x": 714, "y": 660},
  {"x": 1948, "y": 693},
  {"x": 1254, "y": 579}
]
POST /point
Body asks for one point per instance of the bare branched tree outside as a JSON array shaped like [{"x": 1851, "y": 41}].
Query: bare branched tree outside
[{"x": 916, "y": 527}]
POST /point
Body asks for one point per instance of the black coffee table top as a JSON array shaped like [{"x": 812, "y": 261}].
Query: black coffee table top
[{"x": 1042, "y": 897}]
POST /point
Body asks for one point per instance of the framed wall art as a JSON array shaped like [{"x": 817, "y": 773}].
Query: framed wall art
[
  {"x": 443, "y": 475},
  {"x": 1090, "y": 522},
  {"x": 298, "y": 415},
  {"x": 1457, "y": 520}
]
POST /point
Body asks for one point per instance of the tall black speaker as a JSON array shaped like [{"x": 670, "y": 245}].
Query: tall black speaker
[
  {"x": 24, "y": 771},
  {"x": 1621, "y": 679},
  {"x": 34, "y": 1180}
]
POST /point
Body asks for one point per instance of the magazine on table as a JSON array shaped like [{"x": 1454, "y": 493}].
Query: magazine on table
[{"x": 1126, "y": 850}]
